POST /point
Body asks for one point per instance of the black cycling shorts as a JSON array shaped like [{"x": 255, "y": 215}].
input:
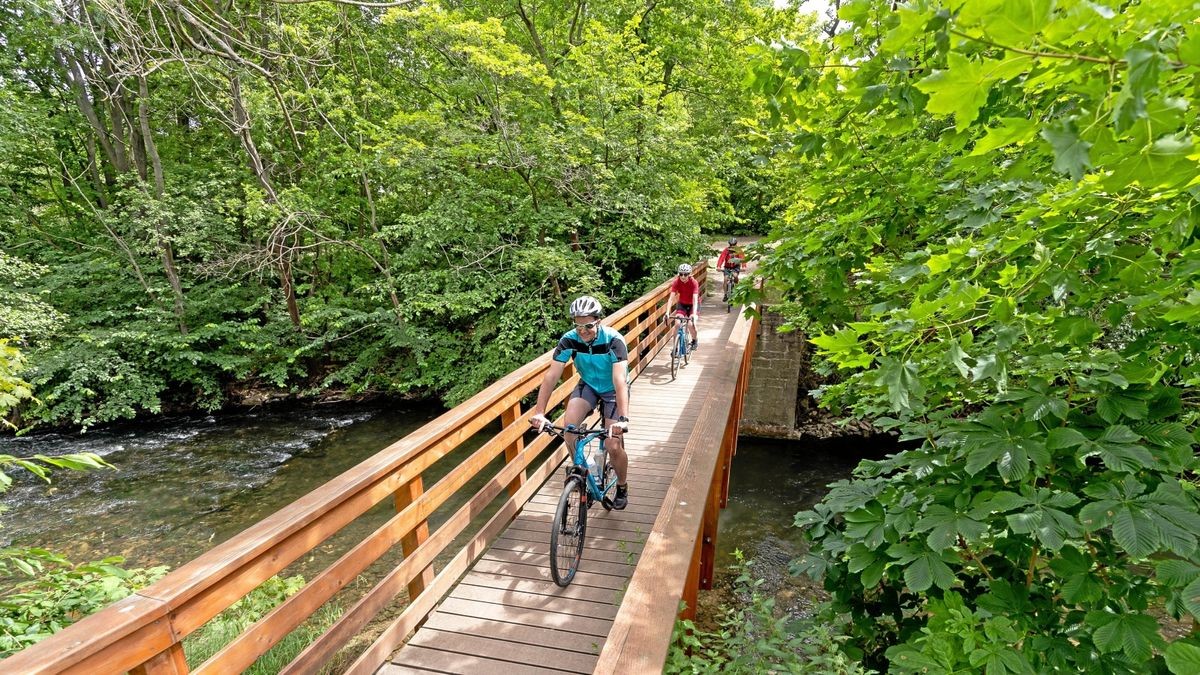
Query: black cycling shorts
[{"x": 608, "y": 402}]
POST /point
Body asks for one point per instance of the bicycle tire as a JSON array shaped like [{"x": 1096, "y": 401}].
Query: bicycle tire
[
  {"x": 567, "y": 532},
  {"x": 675, "y": 358},
  {"x": 685, "y": 349},
  {"x": 609, "y": 487}
]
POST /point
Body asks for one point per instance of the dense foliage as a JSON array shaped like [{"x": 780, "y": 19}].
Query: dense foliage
[
  {"x": 270, "y": 197},
  {"x": 751, "y": 639},
  {"x": 61, "y": 594},
  {"x": 992, "y": 228}
]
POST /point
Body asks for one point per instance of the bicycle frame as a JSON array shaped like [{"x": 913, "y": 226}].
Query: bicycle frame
[
  {"x": 584, "y": 435},
  {"x": 681, "y": 339}
]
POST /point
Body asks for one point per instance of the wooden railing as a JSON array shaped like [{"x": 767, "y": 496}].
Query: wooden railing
[
  {"x": 682, "y": 542},
  {"x": 143, "y": 633}
]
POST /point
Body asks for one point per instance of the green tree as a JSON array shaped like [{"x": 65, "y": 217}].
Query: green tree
[
  {"x": 300, "y": 198},
  {"x": 990, "y": 216}
]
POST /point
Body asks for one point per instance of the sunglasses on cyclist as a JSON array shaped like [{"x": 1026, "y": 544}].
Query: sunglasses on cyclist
[{"x": 587, "y": 326}]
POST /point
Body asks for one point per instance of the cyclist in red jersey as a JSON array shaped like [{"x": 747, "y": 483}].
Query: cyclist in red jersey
[
  {"x": 731, "y": 260},
  {"x": 685, "y": 298}
]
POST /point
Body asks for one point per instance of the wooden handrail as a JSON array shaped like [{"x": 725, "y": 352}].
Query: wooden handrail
[
  {"x": 641, "y": 633},
  {"x": 143, "y": 633}
]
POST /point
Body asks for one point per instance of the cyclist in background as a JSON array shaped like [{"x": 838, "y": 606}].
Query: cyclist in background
[
  {"x": 601, "y": 359},
  {"x": 730, "y": 261},
  {"x": 685, "y": 298}
]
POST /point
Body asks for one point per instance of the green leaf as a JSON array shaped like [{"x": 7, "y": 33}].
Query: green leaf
[
  {"x": 1064, "y": 437},
  {"x": 1018, "y": 21},
  {"x": 1183, "y": 658},
  {"x": 1176, "y": 572},
  {"x": 1070, "y": 151},
  {"x": 1191, "y": 598},
  {"x": 912, "y": 23},
  {"x": 1134, "y": 634},
  {"x": 843, "y": 348},
  {"x": 1141, "y": 74},
  {"x": 958, "y": 358},
  {"x": 962, "y": 89},
  {"x": 926, "y": 571},
  {"x": 1011, "y": 130},
  {"x": 904, "y": 658},
  {"x": 1040, "y": 406},
  {"x": 945, "y": 526},
  {"x": 1119, "y": 450},
  {"x": 903, "y": 381},
  {"x": 1135, "y": 532}
]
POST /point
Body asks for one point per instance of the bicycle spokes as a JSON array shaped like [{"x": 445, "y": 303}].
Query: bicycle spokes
[{"x": 567, "y": 533}]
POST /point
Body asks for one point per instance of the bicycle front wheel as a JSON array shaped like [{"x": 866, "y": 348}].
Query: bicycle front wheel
[
  {"x": 675, "y": 358},
  {"x": 566, "y": 532}
]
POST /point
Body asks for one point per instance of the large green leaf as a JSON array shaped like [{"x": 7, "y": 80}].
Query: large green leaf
[
  {"x": 1070, "y": 151},
  {"x": 928, "y": 570},
  {"x": 1134, "y": 634},
  {"x": 962, "y": 88},
  {"x": 1183, "y": 658}
]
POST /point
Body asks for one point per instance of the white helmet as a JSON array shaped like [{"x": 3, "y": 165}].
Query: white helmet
[
  {"x": 684, "y": 269},
  {"x": 586, "y": 305},
  {"x": 733, "y": 241}
]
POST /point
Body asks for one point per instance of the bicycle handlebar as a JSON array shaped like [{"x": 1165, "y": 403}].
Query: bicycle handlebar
[{"x": 585, "y": 431}]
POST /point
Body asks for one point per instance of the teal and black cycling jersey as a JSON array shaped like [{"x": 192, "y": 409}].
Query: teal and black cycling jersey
[{"x": 593, "y": 360}]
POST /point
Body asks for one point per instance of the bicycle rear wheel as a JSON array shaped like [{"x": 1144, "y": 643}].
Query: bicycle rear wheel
[
  {"x": 684, "y": 347},
  {"x": 567, "y": 531}
]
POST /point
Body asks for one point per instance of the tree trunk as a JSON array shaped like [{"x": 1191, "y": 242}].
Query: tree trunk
[
  {"x": 281, "y": 254},
  {"x": 150, "y": 152}
]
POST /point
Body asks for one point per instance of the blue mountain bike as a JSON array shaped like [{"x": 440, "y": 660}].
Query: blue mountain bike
[
  {"x": 590, "y": 479},
  {"x": 682, "y": 346}
]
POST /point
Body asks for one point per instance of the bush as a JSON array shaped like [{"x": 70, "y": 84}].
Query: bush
[
  {"x": 752, "y": 639},
  {"x": 61, "y": 594}
]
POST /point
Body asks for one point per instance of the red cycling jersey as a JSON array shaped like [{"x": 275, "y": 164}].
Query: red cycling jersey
[
  {"x": 730, "y": 258},
  {"x": 687, "y": 290}
]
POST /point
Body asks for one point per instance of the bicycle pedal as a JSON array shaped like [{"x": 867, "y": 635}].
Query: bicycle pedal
[{"x": 607, "y": 502}]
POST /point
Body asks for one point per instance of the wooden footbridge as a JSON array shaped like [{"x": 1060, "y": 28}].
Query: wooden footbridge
[{"x": 473, "y": 595}]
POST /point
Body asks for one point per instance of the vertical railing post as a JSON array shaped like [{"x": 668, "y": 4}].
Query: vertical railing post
[
  {"x": 169, "y": 661},
  {"x": 407, "y": 494},
  {"x": 691, "y": 585},
  {"x": 514, "y": 449},
  {"x": 708, "y": 534}
]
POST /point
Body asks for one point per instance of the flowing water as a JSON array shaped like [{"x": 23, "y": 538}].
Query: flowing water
[
  {"x": 183, "y": 485},
  {"x": 770, "y": 482}
]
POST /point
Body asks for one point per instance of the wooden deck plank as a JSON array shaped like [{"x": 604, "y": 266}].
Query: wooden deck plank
[
  {"x": 528, "y": 617},
  {"x": 535, "y": 635},
  {"x": 501, "y": 649},
  {"x": 544, "y": 587},
  {"x": 449, "y": 662},
  {"x": 548, "y": 603},
  {"x": 506, "y": 614}
]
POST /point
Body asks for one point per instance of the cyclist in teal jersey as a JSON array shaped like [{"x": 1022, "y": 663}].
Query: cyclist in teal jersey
[{"x": 601, "y": 358}]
